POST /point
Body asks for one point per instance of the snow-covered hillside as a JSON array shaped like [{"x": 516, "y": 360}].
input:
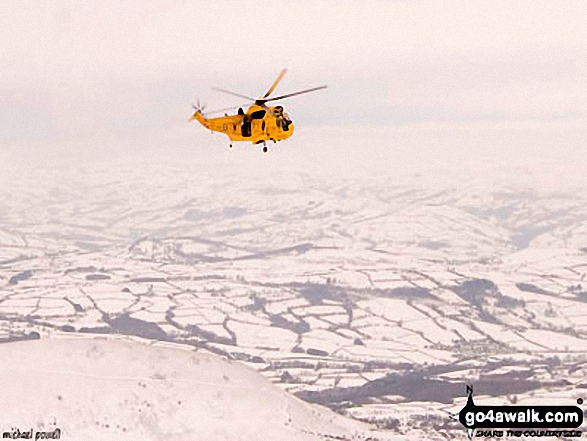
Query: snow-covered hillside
[{"x": 123, "y": 389}]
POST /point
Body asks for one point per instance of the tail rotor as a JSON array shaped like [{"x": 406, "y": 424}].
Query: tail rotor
[{"x": 198, "y": 107}]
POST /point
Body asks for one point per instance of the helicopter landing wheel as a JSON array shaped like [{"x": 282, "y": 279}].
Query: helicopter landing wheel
[
  {"x": 230, "y": 145},
  {"x": 264, "y": 149}
]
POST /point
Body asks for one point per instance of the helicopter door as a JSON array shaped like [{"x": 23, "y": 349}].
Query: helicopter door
[{"x": 246, "y": 128}]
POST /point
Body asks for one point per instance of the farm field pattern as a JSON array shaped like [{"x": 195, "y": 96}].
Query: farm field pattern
[{"x": 379, "y": 296}]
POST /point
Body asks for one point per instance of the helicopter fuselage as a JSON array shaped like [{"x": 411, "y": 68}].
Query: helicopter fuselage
[{"x": 257, "y": 125}]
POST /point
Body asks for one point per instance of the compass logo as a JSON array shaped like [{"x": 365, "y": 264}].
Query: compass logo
[{"x": 519, "y": 420}]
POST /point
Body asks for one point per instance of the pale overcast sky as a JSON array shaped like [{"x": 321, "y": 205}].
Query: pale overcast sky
[{"x": 97, "y": 72}]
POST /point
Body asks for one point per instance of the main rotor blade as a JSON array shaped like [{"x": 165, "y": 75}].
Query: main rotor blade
[
  {"x": 208, "y": 112},
  {"x": 275, "y": 83},
  {"x": 233, "y": 93},
  {"x": 296, "y": 93}
]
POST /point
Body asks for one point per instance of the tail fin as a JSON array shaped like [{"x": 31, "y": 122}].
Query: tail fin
[{"x": 199, "y": 117}]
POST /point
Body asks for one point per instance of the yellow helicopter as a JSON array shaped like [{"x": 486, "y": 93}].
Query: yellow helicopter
[{"x": 259, "y": 124}]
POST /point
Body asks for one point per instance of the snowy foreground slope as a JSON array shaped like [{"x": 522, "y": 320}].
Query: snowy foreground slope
[{"x": 115, "y": 389}]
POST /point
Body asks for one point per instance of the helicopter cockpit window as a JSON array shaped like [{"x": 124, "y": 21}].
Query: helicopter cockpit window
[{"x": 286, "y": 122}]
